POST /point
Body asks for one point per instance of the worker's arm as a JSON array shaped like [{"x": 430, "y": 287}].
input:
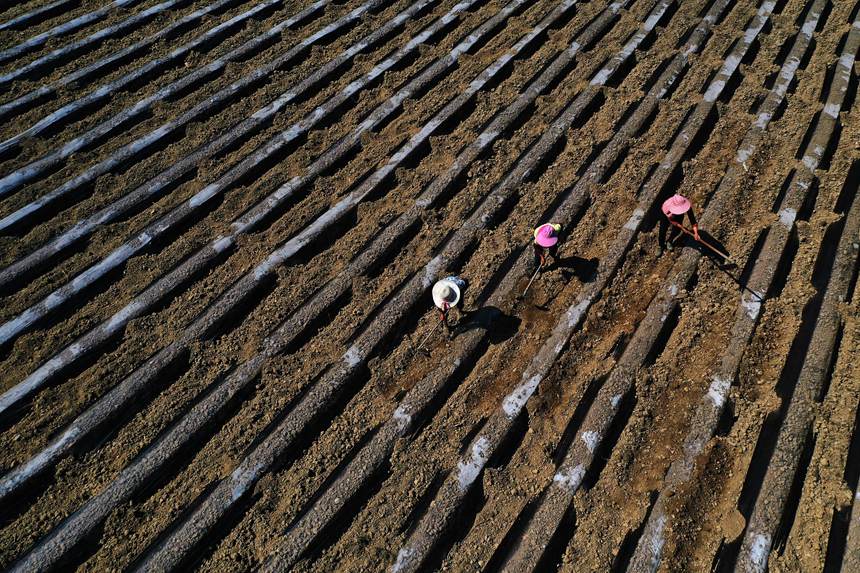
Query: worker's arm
[{"x": 694, "y": 223}]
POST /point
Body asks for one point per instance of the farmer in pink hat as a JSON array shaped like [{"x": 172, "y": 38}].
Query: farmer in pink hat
[
  {"x": 674, "y": 208},
  {"x": 545, "y": 243}
]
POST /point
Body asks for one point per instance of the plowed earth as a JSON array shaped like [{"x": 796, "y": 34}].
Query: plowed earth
[{"x": 708, "y": 514}]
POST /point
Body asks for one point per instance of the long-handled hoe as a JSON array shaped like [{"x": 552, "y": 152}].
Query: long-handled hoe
[
  {"x": 725, "y": 256},
  {"x": 412, "y": 350},
  {"x": 426, "y": 338},
  {"x": 528, "y": 286},
  {"x": 728, "y": 260}
]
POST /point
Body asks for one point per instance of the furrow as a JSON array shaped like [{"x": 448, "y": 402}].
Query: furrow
[
  {"x": 63, "y": 29},
  {"x": 14, "y": 327},
  {"x": 769, "y": 506},
  {"x": 456, "y": 487},
  {"x": 851, "y": 560},
  {"x": 649, "y": 550},
  {"x": 209, "y": 255},
  {"x": 38, "y": 15},
  {"x": 603, "y": 410},
  {"x": 92, "y": 340},
  {"x": 797, "y": 425},
  {"x": 80, "y": 77},
  {"x": 215, "y": 280},
  {"x": 486, "y": 443},
  {"x": 314, "y": 403},
  {"x": 78, "y": 47},
  {"x": 149, "y": 464},
  {"x": 81, "y": 229},
  {"x": 301, "y": 535},
  {"x": 26, "y": 174}
]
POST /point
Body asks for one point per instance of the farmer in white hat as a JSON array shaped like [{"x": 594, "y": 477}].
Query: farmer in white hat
[
  {"x": 674, "y": 209},
  {"x": 447, "y": 295}
]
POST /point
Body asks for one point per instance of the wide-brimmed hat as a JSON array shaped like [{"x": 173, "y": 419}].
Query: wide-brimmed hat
[
  {"x": 547, "y": 234},
  {"x": 676, "y": 204},
  {"x": 446, "y": 291}
]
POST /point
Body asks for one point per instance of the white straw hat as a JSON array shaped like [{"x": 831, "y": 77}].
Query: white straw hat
[{"x": 446, "y": 291}]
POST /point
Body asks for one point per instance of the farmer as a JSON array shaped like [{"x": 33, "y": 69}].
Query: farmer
[
  {"x": 545, "y": 243},
  {"x": 448, "y": 294},
  {"x": 674, "y": 208}
]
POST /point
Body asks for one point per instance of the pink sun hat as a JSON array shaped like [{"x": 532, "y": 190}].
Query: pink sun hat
[
  {"x": 547, "y": 234},
  {"x": 676, "y": 205}
]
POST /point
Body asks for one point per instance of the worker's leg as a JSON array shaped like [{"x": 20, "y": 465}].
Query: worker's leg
[
  {"x": 661, "y": 234},
  {"x": 453, "y": 320},
  {"x": 533, "y": 262},
  {"x": 673, "y": 234}
]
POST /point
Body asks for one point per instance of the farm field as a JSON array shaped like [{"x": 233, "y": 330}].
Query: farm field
[{"x": 221, "y": 220}]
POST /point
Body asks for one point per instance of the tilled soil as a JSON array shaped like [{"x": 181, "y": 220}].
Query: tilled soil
[{"x": 363, "y": 341}]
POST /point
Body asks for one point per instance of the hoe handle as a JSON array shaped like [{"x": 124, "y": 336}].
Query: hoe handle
[
  {"x": 429, "y": 334},
  {"x": 528, "y": 286},
  {"x": 710, "y": 246}
]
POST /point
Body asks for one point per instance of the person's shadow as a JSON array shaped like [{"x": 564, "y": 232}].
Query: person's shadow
[
  {"x": 573, "y": 266},
  {"x": 722, "y": 264},
  {"x": 499, "y": 326},
  {"x": 721, "y": 261}
]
